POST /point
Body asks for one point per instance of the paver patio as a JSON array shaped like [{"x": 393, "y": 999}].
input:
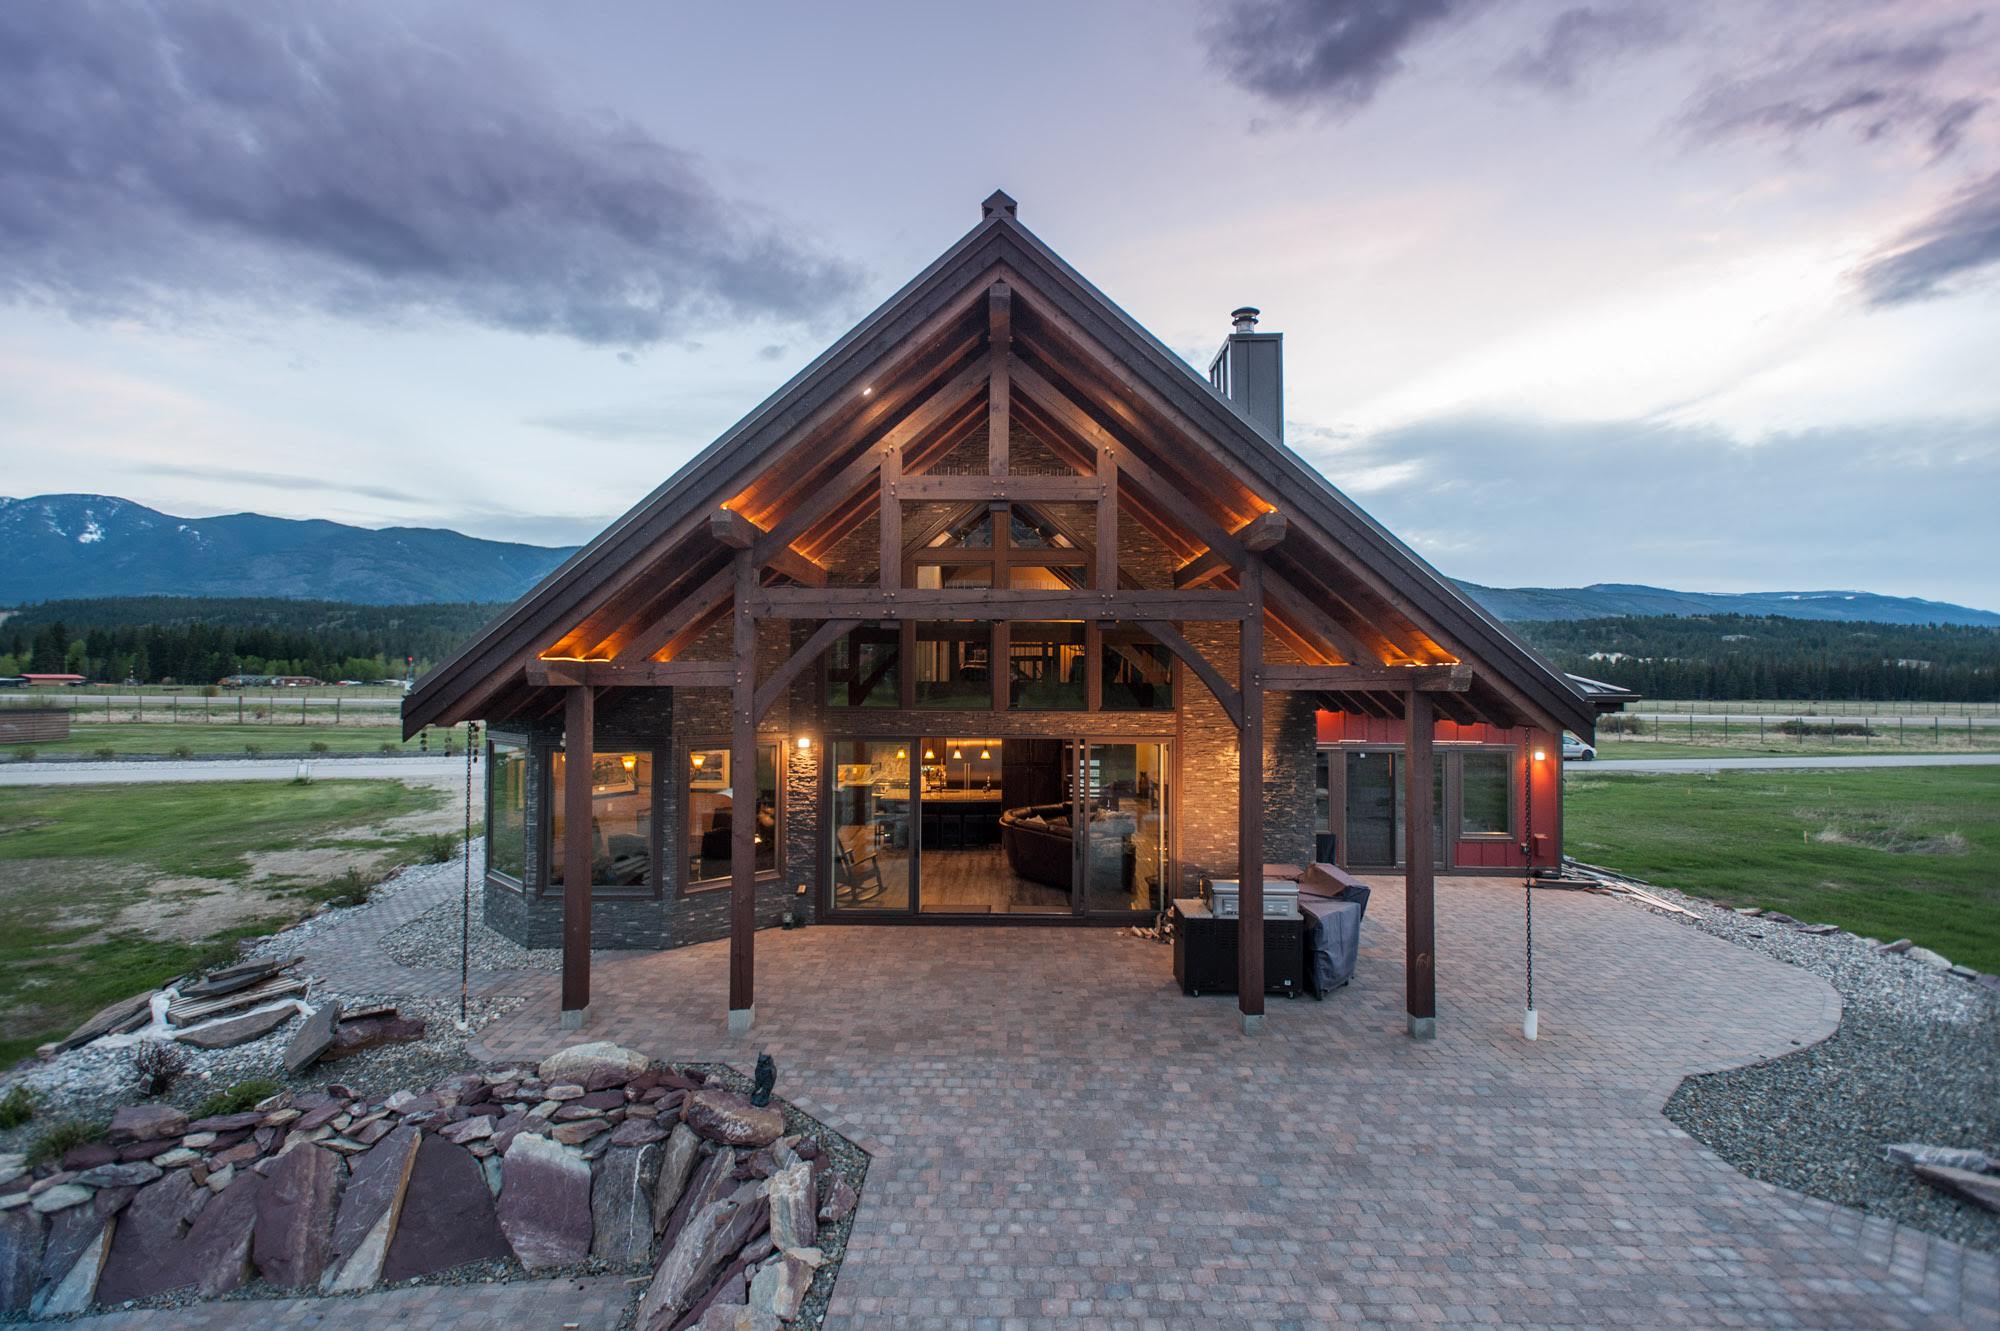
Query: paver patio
[{"x": 1062, "y": 1140}]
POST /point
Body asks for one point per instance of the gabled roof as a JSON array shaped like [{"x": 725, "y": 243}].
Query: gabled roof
[{"x": 906, "y": 367}]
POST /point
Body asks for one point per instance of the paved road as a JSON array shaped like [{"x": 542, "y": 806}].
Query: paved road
[
  {"x": 1912, "y": 717},
  {"x": 1766, "y": 764},
  {"x": 191, "y": 703},
  {"x": 242, "y": 769}
]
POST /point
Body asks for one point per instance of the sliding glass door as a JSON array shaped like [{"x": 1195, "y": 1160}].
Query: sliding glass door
[{"x": 1124, "y": 851}]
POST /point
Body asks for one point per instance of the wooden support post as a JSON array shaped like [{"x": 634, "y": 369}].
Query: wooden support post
[
  {"x": 579, "y": 721},
  {"x": 1000, "y": 337},
  {"x": 890, "y": 521},
  {"x": 1419, "y": 866},
  {"x": 1093, "y": 665},
  {"x": 1000, "y": 670},
  {"x": 1106, "y": 578},
  {"x": 1250, "y": 807},
  {"x": 743, "y": 806}
]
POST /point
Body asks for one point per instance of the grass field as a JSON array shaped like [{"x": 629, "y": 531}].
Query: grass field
[
  {"x": 1905, "y": 853},
  {"x": 160, "y": 738},
  {"x": 1744, "y": 738},
  {"x": 105, "y": 891}
]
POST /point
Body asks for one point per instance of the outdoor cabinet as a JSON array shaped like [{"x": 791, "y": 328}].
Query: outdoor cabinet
[{"x": 1205, "y": 952}]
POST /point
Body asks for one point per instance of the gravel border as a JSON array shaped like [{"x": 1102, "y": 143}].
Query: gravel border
[
  {"x": 1916, "y": 1058},
  {"x": 431, "y": 941}
]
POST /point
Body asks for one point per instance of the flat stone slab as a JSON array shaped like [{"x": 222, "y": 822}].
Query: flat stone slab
[
  {"x": 600, "y": 1060},
  {"x": 127, "y": 1014},
  {"x": 313, "y": 1038},
  {"x": 237, "y": 1030},
  {"x": 448, "y": 1218},
  {"x": 138, "y": 1123},
  {"x": 215, "y": 1256},
  {"x": 621, "y": 1204},
  {"x": 545, "y": 1203},
  {"x": 294, "y": 1233},
  {"x": 146, "y": 1256},
  {"x": 21, "y": 1236},
  {"x": 726, "y": 1117},
  {"x": 1979, "y": 1189},
  {"x": 352, "y": 1037},
  {"x": 369, "y": 1210}
]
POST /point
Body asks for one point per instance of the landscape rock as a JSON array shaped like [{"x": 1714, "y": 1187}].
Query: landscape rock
[
  {"x": 563, "y": 1092},
  {"x": 313, "y": 1037},
  {"x": 448, "y": 1218},
  {"x": 215, "y": 1256},
  {"x": 726, "y": 1117},
  {"x": 736, "y": 1317},
  {"x": 134, "y": 1175},
  {"x": 467, "y": 1130},
  {"x": 227, "y": 1124},
  {"x": 836, "y": 1199},
  {"x": 1979, "y": 1189},
  {"x": 88, "y": 1156},
  {"x": 794, "y": 1222},
  {"x": 1935, "y": 960},
  {"x": 545, "y": 1203},
  {"x": 76, "y": 1288},
  {"x": 1900, "y": 945},
  {"x": 295, "y": 1211},
  {"x": 779, "y": 1287},
  {"x": 578, "y": 1131},
  {"x": 21, "y": 1236},
  {"x": 146, "y": 1150},
  {"x": 599, "y": 1059},
  {"x": 176, "y": 1158},
  {"x": 146, "y": 1256},
  {"x": 60, "y": 1198},
  {"x": 637, "y": 1132},
  {"x": 708, "y": 1242},
  {"x": 352, "y": 1037},
  {"x": 677, "y": 1161},
  {"x": 621, "y": 1204},
  {"x": 1819, "y": 930},
  {"x": 72, "y": 1232},
  {"x": 138, "y": 1123},
  {"x": 1950, "y": 1157},
  {"x": 237, "y": 1030},
  {"x": 369, "y": 1210}
]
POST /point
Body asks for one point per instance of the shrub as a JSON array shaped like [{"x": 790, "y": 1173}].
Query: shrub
[
  {"x": 350, "y": 889},
  {"x": 388, "y": 748},
  {"x": 106, "y": 752},
  {"x": 1810, "y": 729},
  {"x": 26, "y": 753},
  {"x": 253, "y": 749},
  {"x": 157, "y": 1065},
  {"x": 238, "y": 1099},
  {"x": 319, "y": 746},
  {"x": 17, "y": 1107},
  {"x": 63, "y": 1138},
  {"x": 183, "y": 751},
  {"x": 440, "y": 848},
  {"x": 1619, "y": 723}
]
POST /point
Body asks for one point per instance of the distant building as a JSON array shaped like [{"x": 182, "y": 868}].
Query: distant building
[
  {"x": 54, "y": 681},
  {"x": 269, "y": 682}
]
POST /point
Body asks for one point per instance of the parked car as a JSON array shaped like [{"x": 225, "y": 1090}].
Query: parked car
[{"x": 1575, "y": 750}]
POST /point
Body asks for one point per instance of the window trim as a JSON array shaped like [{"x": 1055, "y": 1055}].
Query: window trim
[
  {"x": 686, "y": 886},
  {"x": 527, "y": 752},
  {"x": 652, "y": 890}
]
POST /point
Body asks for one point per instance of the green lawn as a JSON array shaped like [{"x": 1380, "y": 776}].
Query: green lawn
[
  {"x": 107, "y": 890},
  {"x": 226, "y": 737},
  {"x": 1737, "y": 738},
  {"x": 1910, "y": 852}
]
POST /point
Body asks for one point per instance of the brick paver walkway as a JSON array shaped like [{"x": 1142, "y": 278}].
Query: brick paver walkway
[
  {"x": 1062, "y": 1140},
  {"x": 594, "y": 1304}
]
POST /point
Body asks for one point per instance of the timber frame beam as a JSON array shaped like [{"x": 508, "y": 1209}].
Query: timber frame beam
[
  {"x": 739, "y": 533},
  {"x": 1350, "y": 679}
]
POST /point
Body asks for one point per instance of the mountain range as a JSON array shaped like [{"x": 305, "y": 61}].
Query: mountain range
[{"x": 62, "y": 547}]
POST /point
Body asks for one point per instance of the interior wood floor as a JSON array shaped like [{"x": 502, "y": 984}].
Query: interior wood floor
[{"x": 977, "y": 879}]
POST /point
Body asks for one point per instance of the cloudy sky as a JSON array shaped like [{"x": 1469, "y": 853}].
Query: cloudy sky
[{"x": 1705, "y": 295}]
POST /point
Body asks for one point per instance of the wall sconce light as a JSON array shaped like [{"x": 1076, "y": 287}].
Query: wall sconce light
[
  {"x": 1541, "y": 755},
  {"x": 805, "y": 742},
  {"x": 699, "y": 759},
  {"x": 630, "y": 761}
]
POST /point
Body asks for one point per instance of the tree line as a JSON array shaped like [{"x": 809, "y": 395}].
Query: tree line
[
  {"x": 199, "y": 640},
  {"x": 1748, "y": 656}
]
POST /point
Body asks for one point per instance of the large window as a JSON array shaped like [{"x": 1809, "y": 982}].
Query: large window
[
  {"x": 1137, "y": 671},
  {"x": 621, "y": 821},
  {"x": 1046, "y": 665},
  {"x": 954, "y": 665},
  {"x": 507, "y": 810},
  {"x": 1486, "y": 793},
  {"x": 862, "y": 669},
  {"x": 714, "y": 794}
]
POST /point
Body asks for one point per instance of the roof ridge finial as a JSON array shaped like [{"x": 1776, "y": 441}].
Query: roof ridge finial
[{"x": 997, "y": 202}]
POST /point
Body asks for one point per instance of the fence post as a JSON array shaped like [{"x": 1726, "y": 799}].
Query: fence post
[{"x": 239, "y": 709}]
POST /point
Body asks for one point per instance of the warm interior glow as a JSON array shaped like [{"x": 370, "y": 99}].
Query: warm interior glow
[
  {"x": 957, "y": 754},
  {"x": 631, "y": 760},
  {"x": 985, "y": 753},
  {"x": 929, "y": 756},
  {"x": 902, "y": 753},
  {"x": 699, "y": 759}
]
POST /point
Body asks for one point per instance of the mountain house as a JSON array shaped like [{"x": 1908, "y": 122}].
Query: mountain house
[{"x": 997, "y": 613}]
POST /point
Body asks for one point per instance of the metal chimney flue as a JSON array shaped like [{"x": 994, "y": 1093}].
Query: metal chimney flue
[{"x": 1250, "y": 372}]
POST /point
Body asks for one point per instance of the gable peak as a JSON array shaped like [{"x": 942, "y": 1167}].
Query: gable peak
[{"x": 997, "y": 202}]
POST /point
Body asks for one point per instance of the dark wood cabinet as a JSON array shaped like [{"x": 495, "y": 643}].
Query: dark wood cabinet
[{"x": 1205, "y": 953}]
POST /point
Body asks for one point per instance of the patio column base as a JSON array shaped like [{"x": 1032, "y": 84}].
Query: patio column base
[
  {"x": 1252, "y": 1022},
  {"x": 740, "y": 1019},
  {"x": 1423, "y": 1028},
  {"x": 573, "y": 1018}
]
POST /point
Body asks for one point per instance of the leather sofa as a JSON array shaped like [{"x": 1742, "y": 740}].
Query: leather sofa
[{"x": 1038, "y": 838}]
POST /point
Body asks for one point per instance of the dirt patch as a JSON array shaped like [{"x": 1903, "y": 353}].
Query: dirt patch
[
  {"x": 313, "y": 864},
  {"x": 191, "y": 909}
]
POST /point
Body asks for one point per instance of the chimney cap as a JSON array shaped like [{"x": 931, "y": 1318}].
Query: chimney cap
[
  {"x": 997, "y": 202},
  {"x": 1244, "y": 318}
]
